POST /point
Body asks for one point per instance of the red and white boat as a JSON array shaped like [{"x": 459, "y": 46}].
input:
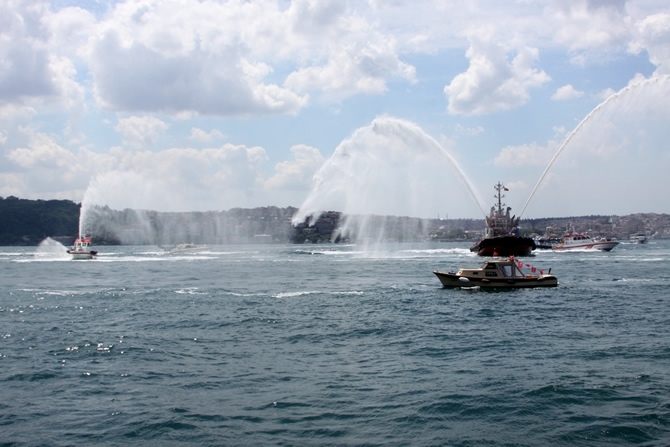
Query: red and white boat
[
  {"x": 83, "y": 248},
  {"x": 582, "y": 241}
]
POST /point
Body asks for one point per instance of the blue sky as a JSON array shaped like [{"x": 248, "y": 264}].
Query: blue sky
[{"x": 382, "y": 106}]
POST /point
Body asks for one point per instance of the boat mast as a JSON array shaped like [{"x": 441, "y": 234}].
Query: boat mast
[{"x": 499, "y": 195}]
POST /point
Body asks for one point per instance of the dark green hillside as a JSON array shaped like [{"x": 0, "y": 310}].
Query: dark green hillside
[{"x": 28, "y": 222}]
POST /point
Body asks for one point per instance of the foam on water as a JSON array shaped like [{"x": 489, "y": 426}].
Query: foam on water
[
  {"x": 438, "y": 251},
  {"x": 295, "y": 294}
]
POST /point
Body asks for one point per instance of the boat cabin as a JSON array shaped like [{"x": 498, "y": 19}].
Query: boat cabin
[
  {"x": 506, "y": 273},
  {"x": 495, "y": 269}
]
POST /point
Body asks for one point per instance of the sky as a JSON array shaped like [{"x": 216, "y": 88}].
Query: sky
[{"x": 413, "y": 107}]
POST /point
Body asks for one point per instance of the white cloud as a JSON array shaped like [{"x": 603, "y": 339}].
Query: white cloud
[
  {"x": 46, "y": 169},
  {"x": 70, "y": 30},
  {"x": 566, "y": 92},
  {"x": 188, "y": 56},
  {"x": 10, "y": 114},
  {"x": 25, "y": 69},
  {"x": 353, "y": 68},
  {"x": 181, "y": 179},
  {"x": 203, "y": 136},
  {"x": 313, "y": 17},
  {"x": 259, "y": 58},
  {"x": 42, "y": 152},
  {"x": 296, "y": 174},
  {"x": 11, "y": 185},
  {"x": 230, "y": 58},
  {"x": 341, "y": 51},
  {"x": 29, "y": 70},
  {"x": 588, "y": 27},
  {"x": 215, "y": 58},
  {"x": 135, "y": 78},
  {"x": 530, "y": 154},
  {"x": 139, "y": 131},
  {"x": 653, "y": 35},
  {"x": 177, "y": 179},
  {"x": 491, "y": 83}
]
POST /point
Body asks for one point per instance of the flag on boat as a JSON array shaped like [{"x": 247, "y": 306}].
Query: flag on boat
[{"x": 522, "y": 265}]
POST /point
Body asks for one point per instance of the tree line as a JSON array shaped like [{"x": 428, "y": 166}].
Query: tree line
[{"x": 28, "y": 222}]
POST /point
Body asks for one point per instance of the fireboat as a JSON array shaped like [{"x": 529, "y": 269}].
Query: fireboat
[
  {"x": 83, "y": 248},
  {"x": 502, "y": 237}
]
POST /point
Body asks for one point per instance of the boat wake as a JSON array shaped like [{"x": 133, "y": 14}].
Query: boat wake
[{"x": 314, "y": 292}]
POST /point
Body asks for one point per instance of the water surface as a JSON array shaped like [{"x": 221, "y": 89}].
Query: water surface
[{"x": 331, "y": 345}]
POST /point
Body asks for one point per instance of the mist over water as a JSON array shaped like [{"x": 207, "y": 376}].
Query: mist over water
[
  {"x": 614, "y": 162},
  {"x": 389, "y": 168},
  {"x": 621, "y": 147},
  {"x": 120, "y": 206},
  {"x": 51, "y": 249},
  {"x": 616, "y": 155},
  {"x": 113, "y": 191}
]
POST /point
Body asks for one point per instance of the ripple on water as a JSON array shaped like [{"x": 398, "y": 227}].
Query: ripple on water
[{"x": 332, "y": 350}]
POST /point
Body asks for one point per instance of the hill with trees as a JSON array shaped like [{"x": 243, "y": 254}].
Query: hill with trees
[{"x": 28, "y": 222}]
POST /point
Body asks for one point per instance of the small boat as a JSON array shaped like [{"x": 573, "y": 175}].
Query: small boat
[
  {"x": 188, "y": 248},
  {"x": 582, "y": 241},
  {"x": 501, "y": 237},
  {"x": 545, "y": 243},
  {"x": 83, "y": 248},
  {"x": 639, "y": 238},
  {"x": 498, "y": 273}
]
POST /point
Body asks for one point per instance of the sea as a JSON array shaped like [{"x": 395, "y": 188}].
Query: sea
[{"x": 331, "y": 345}]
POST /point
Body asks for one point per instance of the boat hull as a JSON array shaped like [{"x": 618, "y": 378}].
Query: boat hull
[
  {"x": 602, "y": 246},
  {"x": 453, "y": 280},
  {"x": 543, "y": 243},
  {"x": 638, "y": 238},
  {"x": 504, "y": 246},
  {"x": 78, "y": 255},
  {"x": 82, "y": 248}
]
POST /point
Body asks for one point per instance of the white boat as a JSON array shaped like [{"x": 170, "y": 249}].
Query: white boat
[
  {"x": 582, "y": 241},
  {"x": 189, "y": 248},
  {"x": 83, "y": 248},
  {"x": 545, "y": 243},
  {"x": 498, "y": 273},
  {"x": 639, "y": 238}
]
